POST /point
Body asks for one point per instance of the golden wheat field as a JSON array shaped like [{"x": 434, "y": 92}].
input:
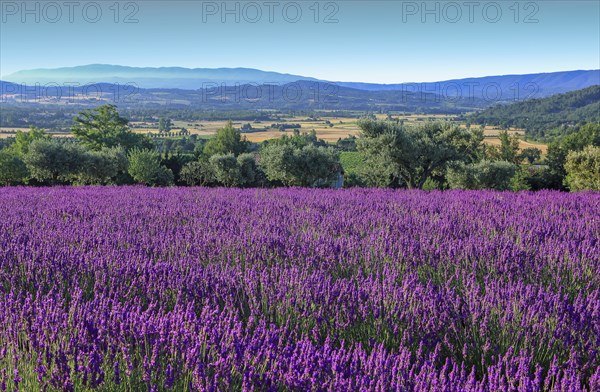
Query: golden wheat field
[{"x": 328, "y": 128}]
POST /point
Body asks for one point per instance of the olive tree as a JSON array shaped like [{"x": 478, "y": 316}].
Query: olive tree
[
  {"x": 496, "y": 175},
  {"x": 411, "y": 154},
  {"x": 309, "y": 166},
  {"x": 54, "y": 161}
]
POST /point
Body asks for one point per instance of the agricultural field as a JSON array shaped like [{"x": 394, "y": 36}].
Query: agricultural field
[
  {"x": 327, "y": 126},
  {"x": 186, "y": 289},
  {"x": 341, "y": 127}
]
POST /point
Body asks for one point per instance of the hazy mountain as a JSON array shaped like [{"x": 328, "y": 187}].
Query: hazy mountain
[
  {"x": 498, "y": 88},
  {"x": 164, "y": 77},
  {"x": 490, "y": 88}
]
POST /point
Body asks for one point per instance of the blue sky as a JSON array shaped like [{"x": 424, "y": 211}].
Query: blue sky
[{"x": 375, "y": 41}]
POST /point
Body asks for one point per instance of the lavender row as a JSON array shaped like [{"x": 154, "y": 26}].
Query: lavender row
[{"x": 291, "y": 289}]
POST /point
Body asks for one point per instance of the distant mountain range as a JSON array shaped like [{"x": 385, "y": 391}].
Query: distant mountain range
[
  {"x": 499, "y": 88},
  {"x": 164, "y": 77},
  {"x": 491, "y": 88},
  {"x": 299, "y": 95}
]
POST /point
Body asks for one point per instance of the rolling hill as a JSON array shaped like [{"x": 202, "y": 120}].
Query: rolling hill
[
  {"x": 300, "y": 95},
  {"x": 560, "y": 113}
]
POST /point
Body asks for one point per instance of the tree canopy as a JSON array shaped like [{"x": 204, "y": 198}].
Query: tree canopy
[
  {"x": 583, "y": 169},
  {"x": 227, "y": 140},
  {"x": 104, "y": 127},
  {"x": 411, "y": 154}
]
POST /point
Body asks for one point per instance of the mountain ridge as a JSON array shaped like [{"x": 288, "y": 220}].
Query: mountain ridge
[{"x": 510, "y": 86}]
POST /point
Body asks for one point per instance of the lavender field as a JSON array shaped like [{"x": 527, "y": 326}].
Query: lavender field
[{"x": 185, "y": 289}]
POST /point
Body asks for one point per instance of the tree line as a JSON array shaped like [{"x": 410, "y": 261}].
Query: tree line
[
  {"x": 547, "y": 118},
  {"x": 388, "y": 153}
]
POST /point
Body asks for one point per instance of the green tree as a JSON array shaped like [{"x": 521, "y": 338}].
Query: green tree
[
  {"x": 54, "y": 162},
  {"x": 13, "y": 170},
  {"x": 587, "y": 135},
  {"x": 507, "y": 151},
  {"x": 496, "y": 175},
  {"x": 299, "y": 139},
  {"x": 103, "y": 167},
  {"x": 309, "y": 166},
  {"x": 104, "y": 127},
  {"x": 583, "y": 169},
  {"x": 145, "y": 168},
  {"x": 531, "y": 154},
  {"x": 164, "y": 124},
  {"x": 24, "y": 139},
  {"x": 226, "y": 169},
  {"x": 227, "y": 140},
  {"x": 409, "y": 155},
  {"x": 198, "y": 173},
  {"x": 249, "y": 171}
]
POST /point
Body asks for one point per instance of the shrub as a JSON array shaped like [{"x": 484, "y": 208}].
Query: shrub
[
  {"x": 226, "y": 169},
  {"x": 103, "y": 167},
  {"x": 53, "y": 161},
  {"x": 13, "y": 170},
  {"x": 496, "y": 175},
  {"x": 197, "y": 173},
  {"x": 145, "y": 168},
  {"x": 583, "y": 169}
]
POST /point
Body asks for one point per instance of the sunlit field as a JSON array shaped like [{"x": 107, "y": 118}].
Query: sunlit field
[{"x": 132, "y": 288}]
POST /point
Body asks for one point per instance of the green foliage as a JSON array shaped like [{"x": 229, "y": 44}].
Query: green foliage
[
  {"x": 198, "y": 173},
  {"x": 24, "y": 139},
  {"x": 103, "y": 167},
  {"x": 249, "y": 170},
  {"x": 226, "y": 169},
  {"x": 508, "y": 150},
  {"x": 588, "y": 135},
  {"x": 431, "y": 185},
  {"x": 519, "y": 182},
  {"x": 13, "y": 170},
  {"x": 409, "y": 155},
  {"x": 227, "y": 140},
  {"x": 538, "y": 177},
  {"x": 496, "y": 175},
  {"x": 145, "y": 168},
  {"x": 352, "y": 162},
  {"x": 347, "y": 144},
  {"x": 309, "y": 166},
  {"x": 355, "y": 170},
  {"x": 164, "y": 124},
  {"x": 538, "y": 116},
  {"x": 531, "y": 154},
  {"x": 299, "y": 140},
  {"x": 104, "y": 127},
  {"x": 583, "y": 169},
  {"x": 55, "y": 162},
  {"x": 176, "y": 162}
]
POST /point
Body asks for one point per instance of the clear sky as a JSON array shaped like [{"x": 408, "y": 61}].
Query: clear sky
[{"x": 366, "y": 41}]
